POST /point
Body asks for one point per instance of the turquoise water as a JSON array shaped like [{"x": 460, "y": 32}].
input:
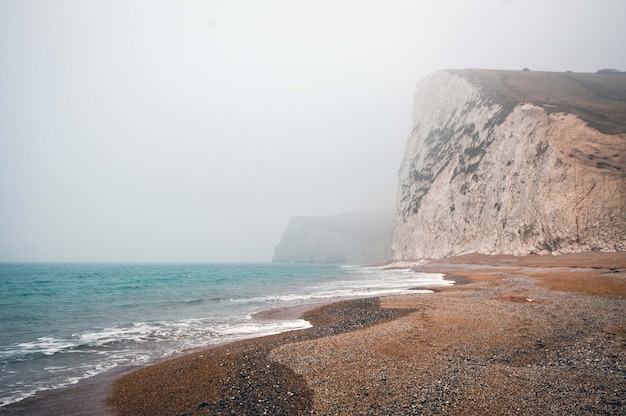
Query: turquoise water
[{"x": 60, "y": 323}]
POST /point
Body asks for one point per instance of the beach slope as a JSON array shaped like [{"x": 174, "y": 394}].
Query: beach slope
[{"x": 525, "y": 335}]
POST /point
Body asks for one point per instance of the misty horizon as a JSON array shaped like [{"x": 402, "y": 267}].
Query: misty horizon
[{"x": 171, "y": 132}]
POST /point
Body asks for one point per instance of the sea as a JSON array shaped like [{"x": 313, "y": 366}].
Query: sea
[{"x": 62, "y": 323}]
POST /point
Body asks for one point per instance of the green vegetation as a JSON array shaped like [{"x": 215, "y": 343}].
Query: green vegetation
[{"x": 599, "y": 99}]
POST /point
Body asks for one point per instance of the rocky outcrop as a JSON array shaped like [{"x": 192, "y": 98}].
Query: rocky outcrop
[
  {"x": 356, "y": 238},
  {"x": 512, "y": 162}
]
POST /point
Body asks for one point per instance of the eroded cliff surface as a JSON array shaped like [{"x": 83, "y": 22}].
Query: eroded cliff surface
[{"x": 512, "y": 162}]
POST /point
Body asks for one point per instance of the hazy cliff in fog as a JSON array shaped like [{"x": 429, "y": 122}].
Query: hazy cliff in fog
[
  {"x": 357, "y": 237},
  {"x": 513, "y": 162}
]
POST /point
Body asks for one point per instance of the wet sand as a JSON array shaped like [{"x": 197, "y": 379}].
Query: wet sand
[
  {"x": 524, "y": 335},
  {"x": 290, "y": 312},
  {"x": 87, "y": 398}
]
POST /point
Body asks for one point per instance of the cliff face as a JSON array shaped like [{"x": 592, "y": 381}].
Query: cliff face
[
  {"x": 511, "y": 162},
  {"x": 357, "y": 238}
]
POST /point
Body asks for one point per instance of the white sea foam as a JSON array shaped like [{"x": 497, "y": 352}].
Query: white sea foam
[
  {"x": 58, "y": 361},
  {"x": 371, "y": 282},
  {"x": 42, "y": 345},
  {"x": 181, "y": 336}
]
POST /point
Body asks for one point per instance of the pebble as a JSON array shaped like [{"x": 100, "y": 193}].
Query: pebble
[{"x": 460, "y": 352}]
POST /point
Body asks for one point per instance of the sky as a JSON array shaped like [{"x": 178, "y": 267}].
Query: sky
[{"x": 192, "y": 131}]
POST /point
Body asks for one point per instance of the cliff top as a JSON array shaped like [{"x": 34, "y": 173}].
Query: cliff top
[{"x": 599, "y": 99}]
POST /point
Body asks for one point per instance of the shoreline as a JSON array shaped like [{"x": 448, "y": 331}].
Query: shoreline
[
  {"x": 87, "y": 396},
  {"x": 509, "y": 283},
  {"x": 292, "y": 312}
]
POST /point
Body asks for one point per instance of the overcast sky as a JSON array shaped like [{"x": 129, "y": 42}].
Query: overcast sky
[{"x": 192, "y": 131}]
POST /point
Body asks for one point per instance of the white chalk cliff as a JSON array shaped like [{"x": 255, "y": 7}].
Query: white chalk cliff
[
  {"x": 356, "y": 237},
  {"x": 512, "y": 162}
]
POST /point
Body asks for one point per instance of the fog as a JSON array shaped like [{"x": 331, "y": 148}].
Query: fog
[{"x": 192, "y": 131}]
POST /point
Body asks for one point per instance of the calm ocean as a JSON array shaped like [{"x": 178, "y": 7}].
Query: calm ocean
[{"x": 60, "y": 323}]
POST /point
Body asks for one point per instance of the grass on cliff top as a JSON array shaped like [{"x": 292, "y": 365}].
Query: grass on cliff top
[{"x": 598, "y": 99}]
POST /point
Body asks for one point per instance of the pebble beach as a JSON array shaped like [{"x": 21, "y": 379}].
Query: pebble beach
[{"x": 516, "y": 335}]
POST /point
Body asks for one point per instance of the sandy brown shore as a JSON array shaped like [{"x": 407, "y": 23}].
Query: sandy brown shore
[{"x": 526, "y": 335}]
